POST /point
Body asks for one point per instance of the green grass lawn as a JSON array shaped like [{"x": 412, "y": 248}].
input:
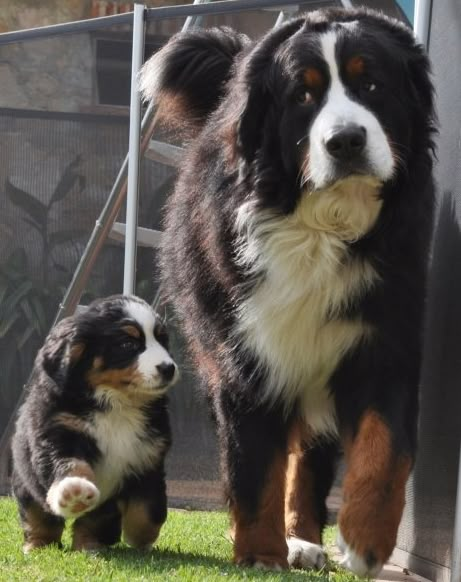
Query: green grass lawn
[{"x": 192, "y": 546}]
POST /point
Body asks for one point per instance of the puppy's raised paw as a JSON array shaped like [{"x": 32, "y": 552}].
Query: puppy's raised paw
[{"x": 72, "y": 497}]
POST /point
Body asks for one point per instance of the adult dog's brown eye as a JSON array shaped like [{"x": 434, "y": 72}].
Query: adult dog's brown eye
[
  {"x": 368, "y": 86},
  {"x": 303, "y": 97}
]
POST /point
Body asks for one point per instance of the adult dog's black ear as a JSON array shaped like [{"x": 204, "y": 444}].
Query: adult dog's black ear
[
  {"x": 61, "y": 351},
  {"x": 251, "y": 89}
]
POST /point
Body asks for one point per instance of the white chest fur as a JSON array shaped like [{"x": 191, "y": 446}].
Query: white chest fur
[
  {"x": 291, "y": 320},
  {"x": 120, "y": 435}
]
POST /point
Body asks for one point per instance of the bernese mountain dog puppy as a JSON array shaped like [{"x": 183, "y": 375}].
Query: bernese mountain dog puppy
[
  {"x": 295, "y": 254},
  {"x": 93, "y": 432}
]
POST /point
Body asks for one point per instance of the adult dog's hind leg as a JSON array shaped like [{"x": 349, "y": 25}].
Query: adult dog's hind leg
[
  {"x": 310, "y": 474},
  {"x": 254, "y": 458}
]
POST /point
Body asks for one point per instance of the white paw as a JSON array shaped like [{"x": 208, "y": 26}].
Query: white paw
[
  {"x": 306, "y": 555},
  {"x": 355, "y": 563},
  {"x": 72, "y": 496}
]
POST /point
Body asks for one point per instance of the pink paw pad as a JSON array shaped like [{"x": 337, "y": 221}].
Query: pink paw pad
[{"x": 72, "y": 496}]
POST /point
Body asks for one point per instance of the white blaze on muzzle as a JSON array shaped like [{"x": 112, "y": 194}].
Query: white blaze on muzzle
[{"x": 340, "y": 113}]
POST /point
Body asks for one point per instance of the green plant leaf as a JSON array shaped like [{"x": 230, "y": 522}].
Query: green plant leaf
[
  {"x": 13, "y": 300},
  {"x": 31, "y": 318},
  {"x": 40, "y": 313},
  {"x": 63, "y": 236},
  {"x": 7, "y": 321},
  {"x": 67, "y": 181},
  {"x": 28, "y": 333},
  {"x": 8, "y": 361},
  {"x": 33, "y": 223},
  {"x": 61, "y": 268},
  {"x": 34, "y": 208},
  {"x": 3, "y": 289}
]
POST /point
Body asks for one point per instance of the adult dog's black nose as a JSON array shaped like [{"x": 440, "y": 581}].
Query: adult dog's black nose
[
  {"x": 346, "y": 143},
  {"x": 166, "y": 371}
]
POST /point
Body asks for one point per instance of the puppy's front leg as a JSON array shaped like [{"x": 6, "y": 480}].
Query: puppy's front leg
[{"x": 73, "y": 491}]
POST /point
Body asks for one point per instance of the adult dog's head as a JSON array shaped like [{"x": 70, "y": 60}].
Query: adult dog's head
[{"x": 335, "y": 101}]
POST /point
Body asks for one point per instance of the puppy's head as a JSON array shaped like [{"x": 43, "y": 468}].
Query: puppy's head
[
  {"x": 117, "y": 348},
  {"x": 337, "y": 95}
]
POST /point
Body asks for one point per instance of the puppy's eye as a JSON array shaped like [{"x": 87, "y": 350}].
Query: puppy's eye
[
  {"x": 129, "y": 345},
  {"x": 303, "y": 97},
  {"x": 368, "y": 86}
]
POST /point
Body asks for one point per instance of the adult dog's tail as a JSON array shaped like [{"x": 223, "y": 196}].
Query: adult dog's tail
[{"x": 187, "y": 77}]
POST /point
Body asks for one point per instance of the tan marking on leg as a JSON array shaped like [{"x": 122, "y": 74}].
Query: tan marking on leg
[
  {"x": 71, "y": 422},
  {"x": 374, "y": 491},
  {"x": 300, "y": 518},
  {"x": 261, "y": 541},
  {"x": 97, "y": 529},
  {"x": 83, "y": 536},
  {"x": 138, "y": 529},
  {"x": 40, "y": 529},
  {"x": 79, "y": 468}
]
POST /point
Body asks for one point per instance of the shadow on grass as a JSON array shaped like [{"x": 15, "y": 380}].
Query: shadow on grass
[{"x": 163, "y": 561}]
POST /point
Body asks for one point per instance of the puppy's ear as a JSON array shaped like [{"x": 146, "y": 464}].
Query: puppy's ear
[
  {"x": 61, "y": 351},
  {"x": 252, "y": 89}
]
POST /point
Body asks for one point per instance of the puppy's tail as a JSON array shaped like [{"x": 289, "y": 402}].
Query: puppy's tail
[{"x": 187, "y": 77}]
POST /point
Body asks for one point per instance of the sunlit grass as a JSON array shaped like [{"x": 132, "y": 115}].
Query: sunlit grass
[{"x": 193, "y": 546}]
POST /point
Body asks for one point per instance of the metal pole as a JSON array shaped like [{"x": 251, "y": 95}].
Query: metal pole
[
  {"x": 107, "y": 218},
  {"x": 456, "y": 549},
  {"x": 422, "y": 25},
  {"x": 132, "y": 201},
  {"x": 103, "y": 226}
]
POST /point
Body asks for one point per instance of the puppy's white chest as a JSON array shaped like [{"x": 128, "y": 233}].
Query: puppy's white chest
[{"x": 121, "y": 438}]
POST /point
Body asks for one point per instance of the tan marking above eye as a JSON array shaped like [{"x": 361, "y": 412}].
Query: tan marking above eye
[
  {"x": 313, "y": 78},
  {"x": 132, "y": 330},
  {"x": 355, "y": 66}
]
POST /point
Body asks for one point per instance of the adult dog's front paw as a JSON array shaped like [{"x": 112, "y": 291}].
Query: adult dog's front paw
[
  {"x": 72, "y": 496},
  {"x": 263, "y": 562},
  {"x": 306, "y": 555},
  {"x": 364, "y": 566}
]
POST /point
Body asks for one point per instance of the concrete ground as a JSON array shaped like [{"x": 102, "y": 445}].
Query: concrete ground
[{"x": 208, "y": 495}]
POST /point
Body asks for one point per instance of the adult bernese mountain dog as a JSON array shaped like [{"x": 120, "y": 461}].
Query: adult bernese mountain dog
[
  {"x": 93, "y": 432},
  {"x": 295, "y": 254}
]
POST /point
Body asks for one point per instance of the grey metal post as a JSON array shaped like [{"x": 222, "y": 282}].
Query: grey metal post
[
  {"x": 422, "y": 22},
  {"x": 108, "y": 215},
  {"x": 103, "y": 226},
  {"x": 132, "y": 201}
]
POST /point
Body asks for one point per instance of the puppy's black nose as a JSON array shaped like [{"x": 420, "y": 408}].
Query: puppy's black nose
[
  {"x": 346, "y": 143},
  {"x": 166, "y": 371}
]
